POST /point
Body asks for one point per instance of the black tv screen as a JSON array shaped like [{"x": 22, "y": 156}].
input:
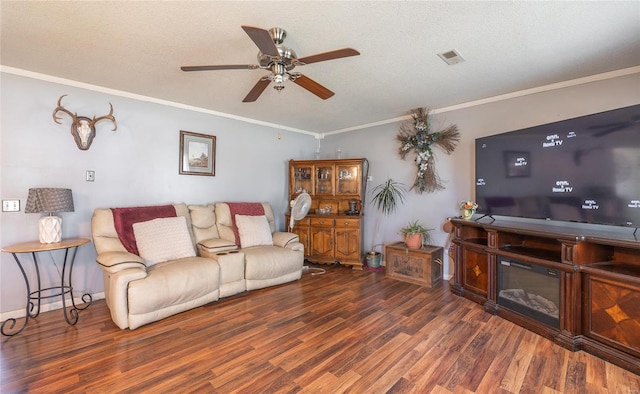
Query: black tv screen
[{"x": 585, "y": 169}]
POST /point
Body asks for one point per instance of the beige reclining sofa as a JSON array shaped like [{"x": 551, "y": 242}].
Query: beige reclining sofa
[{"x": 162, "y": 260}]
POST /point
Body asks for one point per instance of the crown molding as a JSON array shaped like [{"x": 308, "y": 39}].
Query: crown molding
[
  {"x": 502, "y": 97},
  {"x": 321, "y": 135},
  {"x": 139, "y": 97}
]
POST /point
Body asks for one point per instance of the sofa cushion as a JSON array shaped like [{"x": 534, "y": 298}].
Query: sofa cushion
[
  {"x": 269, "y": 262},
  {"x": 226, "y": 222},
  {"x": 253, "y": 230},
  {"x": 124, "y": 218},
  {"x": 173, "y": 283},
  {"x": 203, "y": 220},
  {"x": 164, "y": 239},
  {"x": 245, "y": 209}
]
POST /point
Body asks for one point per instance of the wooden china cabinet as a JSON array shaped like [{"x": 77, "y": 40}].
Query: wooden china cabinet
[{"x": 332, "y": 231}]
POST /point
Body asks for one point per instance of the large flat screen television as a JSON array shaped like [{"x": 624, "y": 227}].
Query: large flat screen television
[{"x": 585, "y": 170}]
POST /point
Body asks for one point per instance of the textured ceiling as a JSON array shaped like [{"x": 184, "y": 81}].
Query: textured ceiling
[{"x": 138, "y": 47}]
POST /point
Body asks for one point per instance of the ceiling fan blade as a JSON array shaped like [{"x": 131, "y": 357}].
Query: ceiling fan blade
[
  {"x": 221, "y": 67},
  {"x": 257, "y": 90},
  {"x": 321, "y": 57},
  {"x": 263, "y": 40},
  {"x": 313, "y": 86}
]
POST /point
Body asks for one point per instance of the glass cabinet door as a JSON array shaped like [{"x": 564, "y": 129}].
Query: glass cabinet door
[
  {"x": 302, "y": 176},
  {"x": 324, "y": 179},
  {"x": 348, "y": 180}
]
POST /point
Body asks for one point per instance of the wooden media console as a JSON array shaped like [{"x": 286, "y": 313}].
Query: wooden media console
[{"x": 596, "y": 275}]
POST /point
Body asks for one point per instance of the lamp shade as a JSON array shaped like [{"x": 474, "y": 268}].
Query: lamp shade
[{"x": 49, "y": 199}]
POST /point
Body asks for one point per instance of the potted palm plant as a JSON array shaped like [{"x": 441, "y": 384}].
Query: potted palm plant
[
  {"x": 415, "y": 235},
  {"x": 386, "y": 198}
]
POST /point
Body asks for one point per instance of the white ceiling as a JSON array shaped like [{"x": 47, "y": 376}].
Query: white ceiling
[{"x": 138, "y": 47}]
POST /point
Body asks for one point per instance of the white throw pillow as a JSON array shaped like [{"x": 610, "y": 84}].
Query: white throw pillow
[
  {"x": 253, "y": 230},
  {"x": 163, "y": 239}
]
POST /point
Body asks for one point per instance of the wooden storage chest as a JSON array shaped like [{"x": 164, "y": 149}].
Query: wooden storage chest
[{"x": 420, "y": 266}]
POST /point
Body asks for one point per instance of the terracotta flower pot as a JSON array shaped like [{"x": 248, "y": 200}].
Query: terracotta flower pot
[{"x": 413, "y": 241}]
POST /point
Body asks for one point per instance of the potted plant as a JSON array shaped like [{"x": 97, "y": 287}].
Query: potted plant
[
  {"x": 386, "y": 197},
  {"x": 415, "y": 235}
]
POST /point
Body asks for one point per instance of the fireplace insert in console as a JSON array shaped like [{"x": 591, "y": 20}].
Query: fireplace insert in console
[{"x": 529, "y": 289}]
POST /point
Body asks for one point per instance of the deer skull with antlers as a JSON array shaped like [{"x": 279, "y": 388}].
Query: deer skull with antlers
[{"x": 82, "y": 128}]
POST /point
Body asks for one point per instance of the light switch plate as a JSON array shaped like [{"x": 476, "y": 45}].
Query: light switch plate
[
  {"x": 90, "y": 176},
  {"x": 10, "y": 205}
]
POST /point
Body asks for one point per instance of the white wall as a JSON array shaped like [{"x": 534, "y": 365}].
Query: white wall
[
  {"x": 378, "y": 144},
  {"x": 136, "y": 165}
]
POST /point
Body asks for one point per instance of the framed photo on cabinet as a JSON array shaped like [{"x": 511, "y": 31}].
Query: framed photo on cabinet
[{"x": 197, "y": 154}]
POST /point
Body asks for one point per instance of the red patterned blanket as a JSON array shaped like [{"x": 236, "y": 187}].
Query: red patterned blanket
[{"x": 124, "y": 218}]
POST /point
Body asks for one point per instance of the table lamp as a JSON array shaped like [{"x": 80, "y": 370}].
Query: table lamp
[{"x": 49, "y": 200}]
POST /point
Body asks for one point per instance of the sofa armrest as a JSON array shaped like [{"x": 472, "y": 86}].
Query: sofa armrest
[
  {"x": 283, "y": 239},
  {"x": 120, "y": 268},
  {"x": 295, "y": 246},
  {"x": 211, "y": 246},
  {"x": 118, "y": 293},
  {"x": 288, "y": 241},
  {"x": 113, "y": 262}
]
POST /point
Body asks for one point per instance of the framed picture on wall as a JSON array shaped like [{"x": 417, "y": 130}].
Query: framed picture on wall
[{"x": 197, "y": 154}]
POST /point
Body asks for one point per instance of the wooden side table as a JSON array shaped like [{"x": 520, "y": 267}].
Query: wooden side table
[
  {"x": 420, "y": 266},
  {"x": 33, "y": 309}
]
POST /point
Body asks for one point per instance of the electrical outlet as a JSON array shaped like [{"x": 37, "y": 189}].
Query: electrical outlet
[
  {"x": 370, "y": 178},
  {"x": 90, "y": 176},
  {"x": 10, "y": 205}
]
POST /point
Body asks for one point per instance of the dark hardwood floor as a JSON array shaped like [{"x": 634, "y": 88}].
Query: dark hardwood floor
[{"x": 345, "y": 331}]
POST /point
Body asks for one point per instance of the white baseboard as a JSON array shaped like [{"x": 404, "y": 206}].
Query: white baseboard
[{"x": 52, "y": 306}]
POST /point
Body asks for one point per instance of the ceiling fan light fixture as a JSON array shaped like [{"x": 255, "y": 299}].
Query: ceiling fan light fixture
[{"x": 278, "y": 80}]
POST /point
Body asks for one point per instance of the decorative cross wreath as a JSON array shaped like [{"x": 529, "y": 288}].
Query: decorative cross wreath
[{"x": 414, "y": 134}]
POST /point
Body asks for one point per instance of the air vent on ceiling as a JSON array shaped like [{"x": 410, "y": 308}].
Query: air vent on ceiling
[{"x": 451, "y": 57}]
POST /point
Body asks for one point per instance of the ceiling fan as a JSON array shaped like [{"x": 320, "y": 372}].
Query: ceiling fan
[{"x": 280, "y": 60}]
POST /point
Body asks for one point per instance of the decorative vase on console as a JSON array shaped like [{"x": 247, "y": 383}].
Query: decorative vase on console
[
  {"x": 467, "y": 214},
  {"x": 467, "y": 209}
]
